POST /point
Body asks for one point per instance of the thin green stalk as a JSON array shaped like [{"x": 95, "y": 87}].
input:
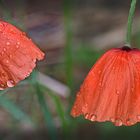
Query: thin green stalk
[
  {"x": 130, "y": 22},
  {"x": 52, "y": 132},
  {"x": 46, "y": 112},
  {"x": 59, "y": 107},
  {"x": 68, "y": 45},
  {"x": 14, "y": 110}
]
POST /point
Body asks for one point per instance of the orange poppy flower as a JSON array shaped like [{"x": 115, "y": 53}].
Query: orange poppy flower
[
  {"x": 111, "y": 90},
  {"x": 18, "y": 55}
]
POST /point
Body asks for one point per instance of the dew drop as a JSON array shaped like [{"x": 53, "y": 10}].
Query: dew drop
[
  {"x": 86, "y": 116},
  {"x": 17, "y": 46},
  {"x": 7, "y": 61},
  {"x": 7, "y": 43},
  {"x": 10, "y": 55},
  {"x": 117, "y": 92},
  {"x": 93, "y": 117},
  {"x": 1, "y": 27},
  {"x": 12, "y": 31},
  {"x": 85, "y": 107},
  {"x": 78, "y": 95},
  {"x": 128, "y": 122},
  {"x": 100, "y": 83},
  {"x": 23, "y": 33},
  {"x": 4, "y": 49},
  {"x": 112, "y": 119},
  {"x": 10, "y": 83},
  {"x": 18, "y": 43},
  {"x": 1, "y": 88},
  {"x": 118, "y": 122},
  {"x": 28, "y": 74},
  {"x": 138, "y": 117}
]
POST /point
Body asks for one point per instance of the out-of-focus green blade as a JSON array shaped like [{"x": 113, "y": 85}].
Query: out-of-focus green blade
[
  {"x": 14, "y": 110},
  {"x": 58, "y": 105},
  {"x": 47, "y": 115}
]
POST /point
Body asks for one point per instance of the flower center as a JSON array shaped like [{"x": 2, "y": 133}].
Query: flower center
[{"x": 126, "y": 48}]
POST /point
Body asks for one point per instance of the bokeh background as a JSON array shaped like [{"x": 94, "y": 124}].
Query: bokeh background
[{"x": 73, "y": 34}]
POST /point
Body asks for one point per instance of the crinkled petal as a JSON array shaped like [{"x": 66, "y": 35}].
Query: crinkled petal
[
  {"x": 111, "y": 90},
  {"x": 18, "y": 55}
]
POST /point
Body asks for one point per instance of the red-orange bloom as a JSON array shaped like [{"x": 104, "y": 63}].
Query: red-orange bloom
[
  {"x": 18, "y": 55},
  {"x": 111, "y": 90}
]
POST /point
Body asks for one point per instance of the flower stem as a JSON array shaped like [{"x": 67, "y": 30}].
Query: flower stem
[{"x": 130, "y": 22}]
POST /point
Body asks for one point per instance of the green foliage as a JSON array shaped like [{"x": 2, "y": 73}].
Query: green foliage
[
  {"x": 80, "y": 55},
  {"x": 14, "y": 109},
  {"x": 46, "y": 112}
]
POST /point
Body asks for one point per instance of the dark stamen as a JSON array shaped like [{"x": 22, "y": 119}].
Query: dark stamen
[{"x": 126, "y": 48}]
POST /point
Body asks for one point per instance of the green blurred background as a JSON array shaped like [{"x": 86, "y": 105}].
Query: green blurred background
[{"x": 73, "y": 34}]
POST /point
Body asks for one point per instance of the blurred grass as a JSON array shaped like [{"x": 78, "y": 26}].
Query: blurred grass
[
  {"x": 47, "y": 114},
  {"x": 76, "y": 55},
  {"x": 67, "y": 5},
  {"x": 14, "y": 110}
]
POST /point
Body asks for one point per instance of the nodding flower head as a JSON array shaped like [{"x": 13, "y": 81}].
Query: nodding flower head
[
  {"x": 18, "y": 55},
  {"x": 111, "y": 90}
]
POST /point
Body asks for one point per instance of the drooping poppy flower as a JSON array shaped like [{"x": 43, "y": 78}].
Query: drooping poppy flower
[
  {"x": 18, "y": 55},
  {"x": 111, "y": 90}
]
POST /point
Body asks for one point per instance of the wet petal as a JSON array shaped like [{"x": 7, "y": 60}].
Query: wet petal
[
  {"x": 111, "y": 89},
  {"x": 18, "y": 55}
]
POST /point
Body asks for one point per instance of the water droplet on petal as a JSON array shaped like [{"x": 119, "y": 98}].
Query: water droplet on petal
[
  {"x": 118, "y": 122},
  {"x": 4, "y": 49},
  {"x": 112, "y": 119},
  {"x": 85, "y": 107},
  {"x": 93, "y": 117},
  {"x": 10, "y": 83},
  {"x": 78, "y": 95},
  {"x": 27, "y": 74},
  {"x": 12, "y": 31},
  {"x": 128, "y": 122},
  {"x": 17, "y": 46},
  {"x": 23, "y": 33},
  {"x": 7, "y": 43},
  {"x": 18, "y": 43},
  {"x": 100, "y": 83},
  {"x": 1, "y": 88},
  {"x": 138, "y": 117},
  {"x": 10, "y": 55},
  {"x": 2, "y": 27},
  {"x": 86, "y": 116},
  {"x": 7, "y": 61},
  {"x": 117, "y": 92}
]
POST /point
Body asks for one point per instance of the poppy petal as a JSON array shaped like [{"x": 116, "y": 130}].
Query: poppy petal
[
  {"x": 110, "y": 91},
  {"x": 18, "y": 55}
]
